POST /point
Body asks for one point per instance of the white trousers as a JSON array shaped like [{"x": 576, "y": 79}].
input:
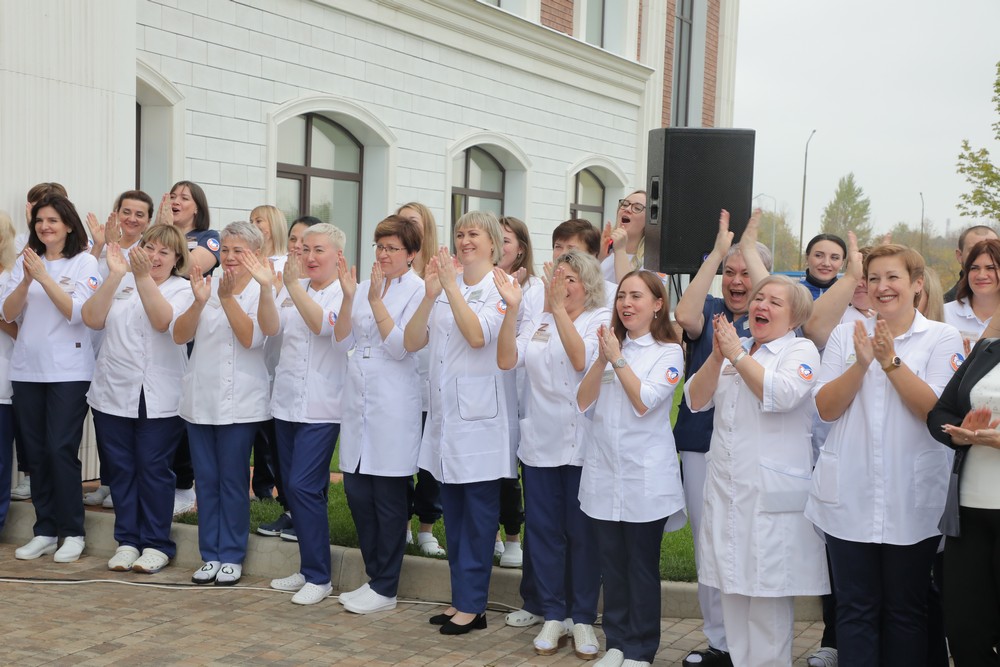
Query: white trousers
[
  {"x": 709, "y": 598},
  {"x": 759, "y": 630}
]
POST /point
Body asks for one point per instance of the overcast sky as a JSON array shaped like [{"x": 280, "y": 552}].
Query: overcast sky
[{"x": 891, "y": 89}]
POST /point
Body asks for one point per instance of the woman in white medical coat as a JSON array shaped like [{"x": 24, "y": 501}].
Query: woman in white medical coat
[
  {"x": 554, "y": 352},
  {"x": 631, "y": 482},
  {"x": 136, "y": 390},
  {"x": 757, "y": 546},
  {"x": 306, "y": 403},
  {"x": 880, "y": 483},
  {"x": 466, "y": 443},
  {"x": 224, "y": 394},
  {"x": 380, "y": 439}
]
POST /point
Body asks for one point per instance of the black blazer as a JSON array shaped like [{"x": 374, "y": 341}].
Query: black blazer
[{"x": 951, "y": 408}]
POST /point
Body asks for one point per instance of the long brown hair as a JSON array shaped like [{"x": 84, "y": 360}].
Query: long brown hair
[{"x": 661, "y": 327}]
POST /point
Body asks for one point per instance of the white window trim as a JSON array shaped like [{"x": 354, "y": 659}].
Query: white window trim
[
  {"x": 378, "y": 179},
  {"x": 511, "y": 157},
  {"x": 612, "y": 176},
  {"x": 158, "y": 86}
]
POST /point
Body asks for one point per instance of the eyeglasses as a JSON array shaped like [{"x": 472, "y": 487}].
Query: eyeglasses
[
  {"x": 635, "y": 207},
  {"x": 391, "y": 249}
]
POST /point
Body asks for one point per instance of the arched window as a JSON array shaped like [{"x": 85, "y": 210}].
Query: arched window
[
  {"x": 588, "y": 198},
  {"x": 319, "y": 171},
  {"x": 478, "y": 181}
]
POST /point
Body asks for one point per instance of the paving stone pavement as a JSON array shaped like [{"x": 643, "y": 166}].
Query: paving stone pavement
[{"x": 113, "y": 624}]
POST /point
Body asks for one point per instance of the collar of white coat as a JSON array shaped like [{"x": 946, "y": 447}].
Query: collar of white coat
[
  {"x": 644, "y": 341},
  {"x": 775, "y": 346},
  {"x": 964, "y": 309},
  {"x": 919, "y": 325}
]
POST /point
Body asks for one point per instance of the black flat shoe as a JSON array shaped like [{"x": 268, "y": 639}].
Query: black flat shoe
[
  {"x": 452, "y": 628},
  {"x": 440, "y": 619}
]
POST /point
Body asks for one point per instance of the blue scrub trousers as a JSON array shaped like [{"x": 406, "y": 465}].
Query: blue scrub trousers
[
  {"x": 379, "y": 507},
  {"x": 139, "y": 453},
  {"x": 881, "y": 601},
  {"x": 221, "y": 458},
  {"x": 470, "y": 516},
  {"x": 630, "y": 567},
  {"x": 6, "y": 458},
  {"x": 50, "y": 415},
  {"x": 304, "y": 453},
  {"x": 565, "y": 571}
]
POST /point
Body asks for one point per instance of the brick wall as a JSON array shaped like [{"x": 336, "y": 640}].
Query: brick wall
[
  {"x": 558, "y": 15},
  {"x": 668, "y": 62},
  {"x": 711, "y": 64}
]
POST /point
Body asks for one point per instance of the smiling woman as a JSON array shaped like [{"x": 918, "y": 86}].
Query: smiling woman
[{"x": 825, "y": 255}]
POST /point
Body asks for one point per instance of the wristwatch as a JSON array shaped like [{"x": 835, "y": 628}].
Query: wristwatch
[
  {"x": 620, "y": 362},
  {"x": 893, "y": 364}
]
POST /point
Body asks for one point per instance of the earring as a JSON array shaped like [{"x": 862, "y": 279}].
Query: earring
[
  {"x": 409, "y": 264},
  {"x": 656, "y": 314}
]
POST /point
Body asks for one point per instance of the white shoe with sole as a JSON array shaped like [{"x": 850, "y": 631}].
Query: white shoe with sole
[
  {"x": 429, "y": 545},
  {"x": 347, "y": 595},
  {"x": 151, "y": 561},
  {"x": 184, "y": 500},
  {"x": 585, "y": 644},
  {"x": 369, "y": 602},
  {"x": 123, "y": 559},
  {"x": 613, "y": 658},
  {"x": 552, "y": 638},
  {"x": 290, "y": 584},
  {"x": 71, "y": 549},
  {"x": 823, "y": 657},
  {"x": 512, "y": 555},
  {"x": 522, "y": 618},
  {"x": 40, "y": 545},
  {"x": 312, "y": 593},
  {"x": 22, "y": 491}
]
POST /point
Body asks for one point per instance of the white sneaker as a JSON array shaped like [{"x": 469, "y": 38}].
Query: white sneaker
[
  {"x": 184, "y": 500},
  {"x": 123, "y": 559},
  {"x": 613, "y": 658},
  {"x": 70, "y": 550},
  {"x": 108, "y": 504},
  {"x": 40, "y": 545},
  {"x": 290, "y": 584},
  {"x": 823, "y": 657},
  {"x": 97, "y": 496},
  {"x": 429, "y": 545},
  {"x": 207, "y": 573},
  {"x": 229, "y": 574},
  {"x": 552, "y": 638},
  {"x": 22, "y": 491},
  {"x": 347, "y": 595},
  {"x": 151, "y": 561},
  {"x": 369, "y": 602},
  {"x": 498, "y": 549},
  {"x": 635, "y": 663},
  {"x": 312, "y": 593},
  {"x": 512, "y": 555}
]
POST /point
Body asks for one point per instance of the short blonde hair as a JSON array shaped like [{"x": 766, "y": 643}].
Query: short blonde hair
[
  {"x": 8, "y": 254},
  {"x": 429, "y": 237},
  {"x": 278, "y": 225},
  {"x": 169, "y": 237},
  {"x": 800, "y": 301},
  {"x": 487, "y": 222},
  {"x": 247, "y": 231},
  {"x": 332, "y": 232}
]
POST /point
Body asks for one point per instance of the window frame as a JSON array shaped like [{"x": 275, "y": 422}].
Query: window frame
[
  {"x": 575, "y": 206},
  {"x": 680, "y": 107},
  {"x": 464, "y": 192}
]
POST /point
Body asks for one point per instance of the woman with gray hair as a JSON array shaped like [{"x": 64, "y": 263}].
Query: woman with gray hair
[
  {"x": 224, "y": 394},
  {"x": 555, "y": 350},
  {"x": 757, "y": 547},
  {"x": 466, "y": 443}
]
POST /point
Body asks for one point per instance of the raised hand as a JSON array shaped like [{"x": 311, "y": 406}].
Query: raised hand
[
  {"x": 112, "y": 229},
  {"x": 724, "y": 239},
  {"x": 608, "y": 343},
  {"x": 510, "y": 290},
  {"x": 227, "y": 285},
  {"x": 884, "y": 345},
  {"x": 748, "y": 240},
  {"x": 348, "y": 279},
  {"x": 258, "y": 270},
  {"x": 605, "y": 240},
  {"x": 447, "y": 273},
  {"x": 855, "y": 261},
  {"x": 34, "y": 267},
  {"x": 619, "y": 237},
  {"x": 117, "y": 265},
  {"x": 729, "y": 341},
  {"x": 201, "y": 285},
  {"x": 96, "y": 229},
  {"x": 555, "y": 290},
  {"x": 164, "y": 216},
  {"x": 863, "y": 347},
  {"x": 432, "y": 279},
  {"x": 717, "y": 354},
  {"x": 140, "y": 261},
  {"x": 293, "y": 269},
  {"x": 376, "y": 284}
]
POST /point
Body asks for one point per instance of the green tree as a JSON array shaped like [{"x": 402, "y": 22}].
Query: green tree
[
  {"x": 983, "y": 176},
  {"x": 849, "y": 210},
  {"x": 774, "y": 229}
]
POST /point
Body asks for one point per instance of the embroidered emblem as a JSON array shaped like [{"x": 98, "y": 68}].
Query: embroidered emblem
[
  {"x": 805, "y": 372},
  {"x": 673, "y": 375}
]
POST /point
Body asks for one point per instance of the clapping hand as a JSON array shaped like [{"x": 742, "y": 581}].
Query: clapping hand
[
  {"x": 138, "y": 258},
  {"x": 348, "y": 279},
  {"x": 262, "y": 273},
  {"x": 724, "y": 239},
  {"x": 978, "y": 428},
  {"x": 608, "y": 344},
  {"x": 34, "y": 267},
  {"x": 201, "y": 285},
  {"x": 376, "y": 283},
  {"x": 510, "y": 290},
  {"x": 729, "y": 341},
  {"x": 117, "y": 266},
  {"x": 883, "y": 344},
  {"x": 864, "y": 350}
]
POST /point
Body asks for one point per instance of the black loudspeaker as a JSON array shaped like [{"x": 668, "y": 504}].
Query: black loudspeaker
[{"x": 693, "y": 173}]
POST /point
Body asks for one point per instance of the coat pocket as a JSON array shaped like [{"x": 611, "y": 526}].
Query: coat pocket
[
  {"x": 478, "y": 398},
  {"x": 826, "y": 483},
  {"x": 783, "y": 488}
]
